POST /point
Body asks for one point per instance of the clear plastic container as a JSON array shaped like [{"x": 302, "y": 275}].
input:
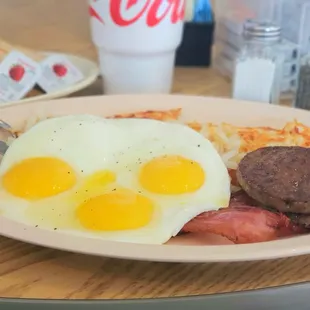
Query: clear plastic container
[
  {"x": 292, "y": 15},
  {"x": 230, "y": 16},
  {"x": 236, "y": 11},
  {"x": 296, "y": 23}
]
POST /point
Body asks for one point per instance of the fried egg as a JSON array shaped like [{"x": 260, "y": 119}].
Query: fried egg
[{"x": 129, "y": 180}]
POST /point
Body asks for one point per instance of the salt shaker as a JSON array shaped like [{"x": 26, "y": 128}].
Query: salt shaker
[{"x": 258, "y": 66}]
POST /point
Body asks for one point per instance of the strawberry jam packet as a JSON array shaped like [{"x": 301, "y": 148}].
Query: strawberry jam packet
[
  {"x": 18, "y": 75},
  {"x": 58, "y": 72}
]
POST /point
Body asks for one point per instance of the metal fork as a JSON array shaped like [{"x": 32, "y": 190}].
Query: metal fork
[
  {"x": 5, "y": 125},
  {"x": 7, "y": 132}
]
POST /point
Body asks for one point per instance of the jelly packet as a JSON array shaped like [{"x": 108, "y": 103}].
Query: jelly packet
[
  {"x": 18, "y": 75},
  {"x": 58, "y": 72}
]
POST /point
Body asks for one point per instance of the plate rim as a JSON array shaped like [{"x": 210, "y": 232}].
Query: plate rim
[{"x": 169, "y": 253}]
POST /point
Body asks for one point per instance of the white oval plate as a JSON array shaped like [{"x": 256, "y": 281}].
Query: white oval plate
[
  {"x": 187, "y": 248},
  {"x": 89, "y": 69}
]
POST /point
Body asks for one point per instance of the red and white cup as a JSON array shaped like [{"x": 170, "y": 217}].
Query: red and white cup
[{"x": 137, "y": 42}]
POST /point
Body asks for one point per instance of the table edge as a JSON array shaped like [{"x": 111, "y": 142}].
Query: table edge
[{"x": 276, "y": 298}]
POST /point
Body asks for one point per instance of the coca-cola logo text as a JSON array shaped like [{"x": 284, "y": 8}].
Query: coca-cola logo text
[{"x": 153, "y": 9}]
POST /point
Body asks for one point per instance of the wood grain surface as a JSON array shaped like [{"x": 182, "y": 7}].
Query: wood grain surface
[{"x": 36, "y": 272}]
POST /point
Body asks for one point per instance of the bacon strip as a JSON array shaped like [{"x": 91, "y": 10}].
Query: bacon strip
[
  {"x": 233, "y": 177},
  {"x": 243, "y": 222}
]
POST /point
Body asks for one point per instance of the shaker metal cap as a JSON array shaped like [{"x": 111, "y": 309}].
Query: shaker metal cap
[{"x": 261, "y": 29}]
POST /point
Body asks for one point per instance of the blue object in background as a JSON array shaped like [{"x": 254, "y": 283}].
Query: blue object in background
[{"x": 203, "y": 11}]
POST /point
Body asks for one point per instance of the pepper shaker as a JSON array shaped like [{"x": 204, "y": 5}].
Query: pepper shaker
[{"x": 302, "y": 100}]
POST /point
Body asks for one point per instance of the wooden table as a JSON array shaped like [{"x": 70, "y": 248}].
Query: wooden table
[{"x": 35, "y": 272}]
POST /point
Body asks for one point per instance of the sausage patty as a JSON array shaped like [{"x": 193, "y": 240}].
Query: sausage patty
[{"x": 278, "y": 177}]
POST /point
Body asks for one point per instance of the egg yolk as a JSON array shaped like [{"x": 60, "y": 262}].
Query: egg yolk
[
  {"x": 94, "y": 184},
  {"x": 120, "y": 209},
  {"x": 39, "y": 177},
  {"x": 99, "y": 179},
  {"x": 172, "y": 175}
]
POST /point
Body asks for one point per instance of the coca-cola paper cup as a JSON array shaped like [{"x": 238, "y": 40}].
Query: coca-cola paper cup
[{"x": 137, "y": 42}]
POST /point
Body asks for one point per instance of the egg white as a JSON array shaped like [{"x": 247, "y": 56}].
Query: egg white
[{"x": 90, "y": 144}]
